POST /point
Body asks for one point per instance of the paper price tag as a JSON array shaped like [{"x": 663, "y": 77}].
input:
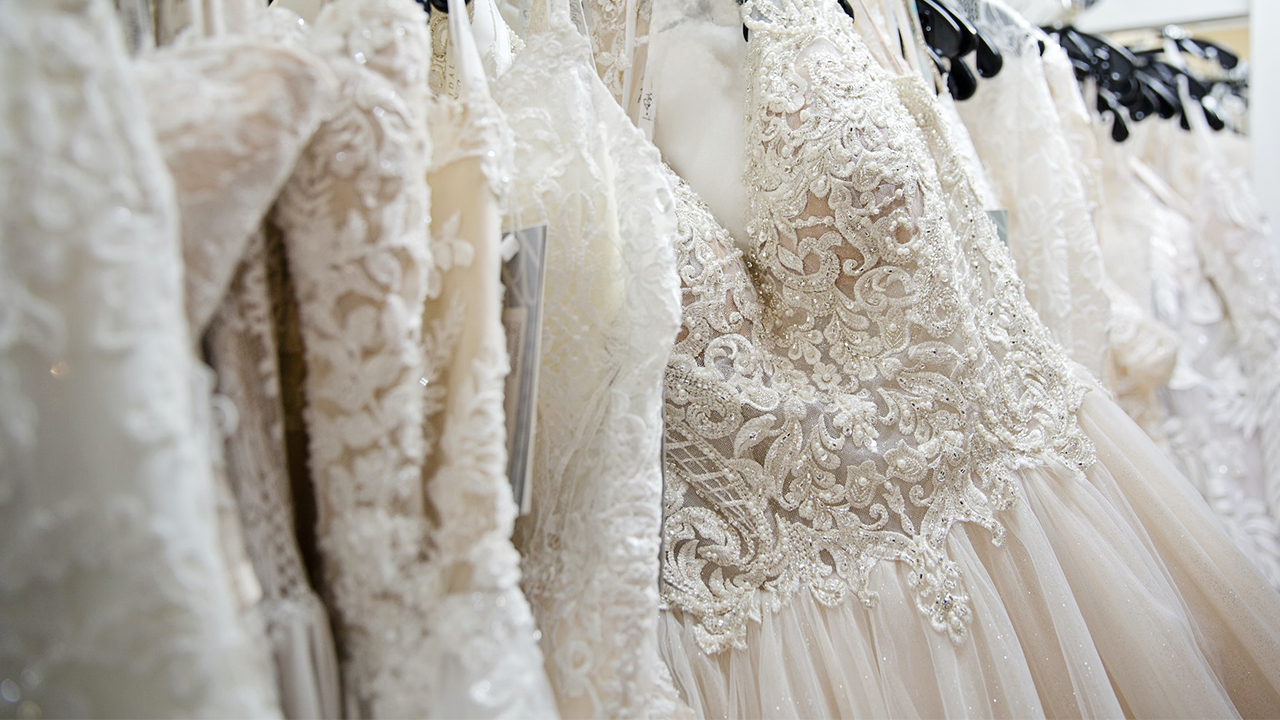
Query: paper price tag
[
  {"x": 523, "y": 275},
  {"x": 1001, "y": 220}
]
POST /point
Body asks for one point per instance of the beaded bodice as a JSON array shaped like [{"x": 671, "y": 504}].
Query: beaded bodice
[{"x": 872, "y": 374}]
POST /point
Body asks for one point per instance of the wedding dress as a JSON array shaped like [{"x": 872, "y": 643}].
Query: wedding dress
[
  {"x": 611, "y": 310},
  {"x": 1143, "y": 350},
  {"x": 891, "y": 396},
  {"x": 354, "y": 219},
  {"x": 397, "y": 286},
  {"x": 1211, "y": 428},
  {"x": 489, "y": 662},
  {"x": 1015, "y": 128},
  {"x": 116, "y": 598},
  {"x": 256, "y": 104},
  {"x": 1234, "y": 244}
]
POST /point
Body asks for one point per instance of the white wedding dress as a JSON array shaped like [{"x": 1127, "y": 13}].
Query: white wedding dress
[
  {"x": 888, "y": 493},
  {"x": 232, "y": 113},
  {"x": 354, "y": 221},
  {"x": 1212, "y": 417},
  {"x": 393, "y": 237},
  {"x": 1014, "y": 125},
  {"x": 1143, "y": 350},
  {"x": 1236, "y": 249},
  {"x": 489, "y": 663},
  {"x": 116, "y": 599},
  {"x": 611, "y": 310}
]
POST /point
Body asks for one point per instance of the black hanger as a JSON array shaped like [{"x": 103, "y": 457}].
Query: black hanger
[
  {"x": 1107, "y": 103},
  {"x": 988, "y": 59},
  {"x": 949, "y": 35},
  {"x": 942, "y": 33},
  {"x": 1140, "y": 84},
  {"x": 1209, "y": 51},
  {"x": 1111, "y": 63},
  {"x": 1166, "y": 98},
  {"x": 1119, "y": 92},
  {"x": 441, "y": 5},
  {"x": 960, "y": 81}
]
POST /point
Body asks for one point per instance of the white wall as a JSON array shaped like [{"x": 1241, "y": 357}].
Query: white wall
[
  {"x": 1264, "y": 104},
  {"x": 1128, "y": 14}
]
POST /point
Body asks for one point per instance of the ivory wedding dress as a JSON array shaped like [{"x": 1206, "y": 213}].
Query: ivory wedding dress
[
  {"x": 1019, "y": 137},
  {"x": 1211, "y": 428},
  {"x": 354, "y": 216},
  {"x": 1143, "y": 350},
  {"x": 116, "y": 600},
  {"x": 887, "y": 493},
  {"x": 245, "y": 107},
  {"x": 611, "y": 310},
  {"x": 1021, "y": 133},
  {"x": 490, "y": 664},
  {"x": 399, "y": 307},
  {"x": 1235, "y": 247}
]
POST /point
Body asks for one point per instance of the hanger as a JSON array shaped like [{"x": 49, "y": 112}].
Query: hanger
[
  {"x": 1140, "y": 84},
  {"x": 988, "y": 60},
  {"x": 943, "y": 32},
  {"x": 1119, "y": 90},
  {"x": 441, "y": 5},
  {"x": 949, "y": 35},
  {"x": 1201, "y": 48},
  {"x": 1108, "y": 103}
]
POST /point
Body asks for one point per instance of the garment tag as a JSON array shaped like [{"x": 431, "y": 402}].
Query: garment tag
[
  {"x": 662, "y": 452},
  {"x": 1001, "y": 220},
  {"x": 523, "y": 273}
]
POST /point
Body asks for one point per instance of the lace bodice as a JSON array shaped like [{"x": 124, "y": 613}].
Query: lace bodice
[
  {"x": 1015, "y": 127},
  {"x": 591, "y": 542},
  {"x": 896, "y": 378},
  {"x": 354, "y": 217},
  {"x": 115, "y": 599}
]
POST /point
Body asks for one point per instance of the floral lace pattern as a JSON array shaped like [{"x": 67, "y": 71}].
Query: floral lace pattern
[
  {"x": 591, "y": 542},
  {"x": 896, "y": 380},
  {"x": 115, "y": 599},
  {"x": 489, "y": 662},
  {"x": 1238, "y": 256},
  {"x": 612, "y": 25},
  {"x": 354, "y": 216}
]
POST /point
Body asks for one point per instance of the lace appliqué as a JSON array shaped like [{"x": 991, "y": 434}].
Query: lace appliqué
[
  {"x": 896, "y": 380},
  {"x": 490, "y": 664},
  {"x": 355, "y": 216}
]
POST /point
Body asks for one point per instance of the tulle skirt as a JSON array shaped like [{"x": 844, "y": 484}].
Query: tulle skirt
[{"x": 1116, "y": 595}]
